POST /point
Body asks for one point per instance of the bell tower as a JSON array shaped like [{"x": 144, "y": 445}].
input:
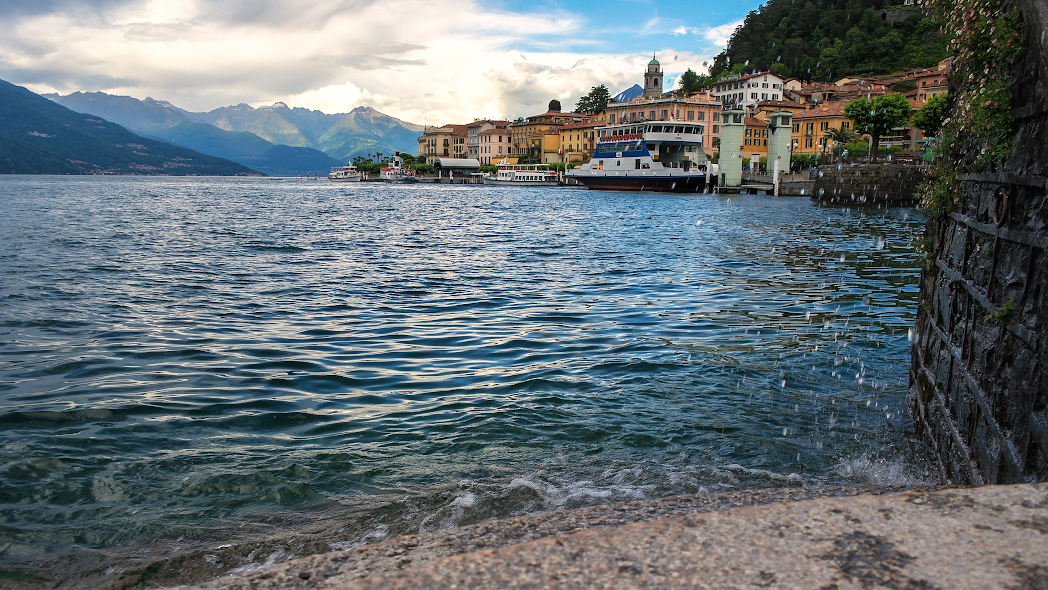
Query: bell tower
[{"x": 653, "y": 79}]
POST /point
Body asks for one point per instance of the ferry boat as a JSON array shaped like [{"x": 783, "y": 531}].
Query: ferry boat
[
  {"x": 523, "y": 175},
  {"x": 665, "y": 156},
  {"x": 348, "y": 173},
  {"x": 396, "y": 172}
]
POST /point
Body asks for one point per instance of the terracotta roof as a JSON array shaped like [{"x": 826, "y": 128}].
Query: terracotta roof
[
  {"x": 588, "y": 124},
  {"x": 829, "y": 109},
  {"x": 495, "y": 131},
  {"x": 751, "y": 122}
]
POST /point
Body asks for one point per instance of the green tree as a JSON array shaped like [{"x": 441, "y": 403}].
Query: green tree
[
  {"x": 780, "y": 69},
  {"x": 930, "y": 116},
  {"x": 841, "y": 134},
  {"x": 878, "y": 116},
  {"x": 554, "y": 106},
  {"x": 594, "y": 102},
  {"x": 518, "y": 121},
  {"x": 691, "y": 82}
]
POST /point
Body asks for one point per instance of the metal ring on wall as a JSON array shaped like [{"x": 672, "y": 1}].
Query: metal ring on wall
[{"x": 1000, "y": 206}]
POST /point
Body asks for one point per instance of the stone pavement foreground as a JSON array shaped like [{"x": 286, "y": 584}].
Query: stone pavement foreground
[{"x": 984, "y": 537}]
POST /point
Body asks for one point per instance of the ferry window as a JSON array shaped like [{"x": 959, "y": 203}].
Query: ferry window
[
  {"x": 656, "y": 128},
  {"x": 680, "y": 129},
  {"x": 618, "y": 163},
  {"x": 636, "y": 164},
  {"x": 702, "y": 129}
]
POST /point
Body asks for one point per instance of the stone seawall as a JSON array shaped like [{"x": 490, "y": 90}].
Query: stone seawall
[
  {"x": 979, "y": 374},
  {"x": 884, "y": 184}
]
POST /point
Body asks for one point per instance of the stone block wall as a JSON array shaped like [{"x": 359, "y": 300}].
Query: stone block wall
[
  {"x": 979, "y": 371},
  {"x": 884, "y": 184}
]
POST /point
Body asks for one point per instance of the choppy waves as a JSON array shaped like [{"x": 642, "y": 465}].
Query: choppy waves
[{"x": 181, "y": 357}]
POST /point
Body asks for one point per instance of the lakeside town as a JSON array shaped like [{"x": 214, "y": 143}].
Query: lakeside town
[{"x": 820, "y": 124}]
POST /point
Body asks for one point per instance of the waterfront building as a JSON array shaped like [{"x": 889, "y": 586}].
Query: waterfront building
[
  {"x": 536, "y": 140},
  {"x": 755, "y": 140},
  {"x": 748, "y": 89},
  {"x": 810, "y": 125},
  {"x": 699, "y": 108},
  {"x": 579, "y": 140},
  {"x": 448, "y": 141},
  {"x": 495, "y": 145},
  {"x": 475, "y": 129}
]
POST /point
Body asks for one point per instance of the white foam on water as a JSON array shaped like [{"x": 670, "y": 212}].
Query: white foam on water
[
  {"x": 867, "y": 470},
  {"x": 271, "y": 560}
]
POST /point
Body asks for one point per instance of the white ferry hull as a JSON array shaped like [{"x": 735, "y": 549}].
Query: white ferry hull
[{"x": 497, "y": 182}]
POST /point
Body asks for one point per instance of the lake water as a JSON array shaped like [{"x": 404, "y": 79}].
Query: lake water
[{"x": 290, "y": 366}]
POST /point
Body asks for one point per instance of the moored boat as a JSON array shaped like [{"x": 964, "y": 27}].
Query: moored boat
[
  {"x": 523, "y": 175},
  {"x": 347, "y": 173},
  {"x": 648, "y": 156},
  {"x": 395, "y": 171}
]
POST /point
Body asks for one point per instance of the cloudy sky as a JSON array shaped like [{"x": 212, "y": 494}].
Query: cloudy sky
[{"x": 425, "y": 61}]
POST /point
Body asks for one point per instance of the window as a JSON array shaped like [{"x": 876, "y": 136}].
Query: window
[
  {"x": 824, "y": 126},
  {"x": 716, "y": 128},
  {"x": 845, "y": 124},
  {"x": 716, "y": 116},
  {"x": 748, "y": 140},
  {"x": 747, "y": 133},
  {"x": 702, "y": 116},
  {"x": 809, "y": 129},
  {"x": 796, "y": 127},
  {"x": 652, "y": 115},
  {"x": 807, "y": 143},
  {"x": 753, "y": 95},
  {"x": 691, "y": 115},
  {"x": 764, "y": 95}
]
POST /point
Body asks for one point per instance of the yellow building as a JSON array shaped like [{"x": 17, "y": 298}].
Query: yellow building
[
  {"x": 448, "y": 141},
  {"x": 811, "y": 125},
  {"x": 579, "y": 140},
  {"x": 537, "y": 139}
]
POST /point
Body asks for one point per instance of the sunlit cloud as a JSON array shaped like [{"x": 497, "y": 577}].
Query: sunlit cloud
[{"x": 437, "y": 61}]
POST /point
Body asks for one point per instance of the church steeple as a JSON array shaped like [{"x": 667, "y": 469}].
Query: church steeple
[{"x": 653, "y": 79}]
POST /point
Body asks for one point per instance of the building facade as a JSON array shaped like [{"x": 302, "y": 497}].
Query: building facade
[
  {"x": 699, "y": 108},
  {"x": 579, "y": 140},
  {"x": 748, "y": 89},
  {"x": 495, "y": 145},
  {"x": 475, "y": 129},
  {"x": 448, "y": 141}
]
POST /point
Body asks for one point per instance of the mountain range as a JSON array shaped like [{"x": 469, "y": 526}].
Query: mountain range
[
  {"x": 309, "y": 141},
  {"x": 38, "y": 136}
]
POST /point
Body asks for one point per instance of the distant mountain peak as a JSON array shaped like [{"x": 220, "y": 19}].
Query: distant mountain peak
[{"x": 629, "y": 93}]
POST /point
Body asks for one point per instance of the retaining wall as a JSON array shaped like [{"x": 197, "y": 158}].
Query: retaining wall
[
  {"x": 884, "y": 184},
  {"x": 979, "y": 372}
]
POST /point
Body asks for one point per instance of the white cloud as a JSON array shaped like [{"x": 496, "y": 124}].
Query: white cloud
[
  {"x": 437, "y": 61},
  {"x": 719, "y": 35}
]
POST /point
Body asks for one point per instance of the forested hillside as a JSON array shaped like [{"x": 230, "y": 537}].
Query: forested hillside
[{"x": 822, "y": 40}]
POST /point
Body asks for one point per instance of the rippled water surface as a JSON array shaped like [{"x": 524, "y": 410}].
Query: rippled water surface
[{"x": 189, "y": 359}]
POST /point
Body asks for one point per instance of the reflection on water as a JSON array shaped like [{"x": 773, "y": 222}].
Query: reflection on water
[{"x": 226, "y": 359}]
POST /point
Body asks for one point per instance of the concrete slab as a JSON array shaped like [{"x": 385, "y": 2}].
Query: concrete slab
[{"x": 986, "y": 537}]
